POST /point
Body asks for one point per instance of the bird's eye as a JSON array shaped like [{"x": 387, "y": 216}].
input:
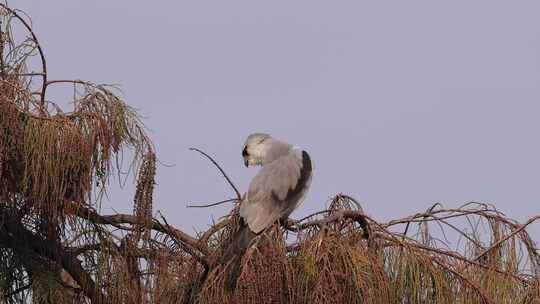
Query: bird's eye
[{"x": 245, "y": 152}]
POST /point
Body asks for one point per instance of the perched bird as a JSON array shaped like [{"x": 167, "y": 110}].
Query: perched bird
[{"x": 277, "y": 190}]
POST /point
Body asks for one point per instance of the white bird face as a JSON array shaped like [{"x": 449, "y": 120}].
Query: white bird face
[{"x": 255, "y": 148}]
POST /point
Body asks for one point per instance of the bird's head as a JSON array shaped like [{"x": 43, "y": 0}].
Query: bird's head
[{"x": 261, "y": 148}]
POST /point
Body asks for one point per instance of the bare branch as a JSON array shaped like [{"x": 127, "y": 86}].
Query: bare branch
[
  {"x": 177, "y": 236},
  {"x": 238, "y": 195},
  {"x": 499, "y": 242},
  {"x": 354, "y": 215},
  {"x": 215, "y": 228},
  {"x": 40, "y": 50},
  {"x": 117, "y": 219},
  {"x": 213, "y": 204}
]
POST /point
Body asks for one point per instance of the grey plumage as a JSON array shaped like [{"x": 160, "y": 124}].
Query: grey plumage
[{"x": 274, "y": 193}]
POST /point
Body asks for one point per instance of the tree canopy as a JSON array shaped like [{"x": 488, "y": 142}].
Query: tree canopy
[{"x": 56, "y": 245}]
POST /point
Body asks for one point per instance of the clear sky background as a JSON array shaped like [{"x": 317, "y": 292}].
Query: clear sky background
[{"x": 400, "y": 103}]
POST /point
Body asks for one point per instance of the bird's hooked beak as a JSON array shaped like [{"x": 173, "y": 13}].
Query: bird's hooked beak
[{"x": 246, "y": 162}]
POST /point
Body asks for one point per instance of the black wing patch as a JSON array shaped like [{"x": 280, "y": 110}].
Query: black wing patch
[{"x": 305, "y": 173}]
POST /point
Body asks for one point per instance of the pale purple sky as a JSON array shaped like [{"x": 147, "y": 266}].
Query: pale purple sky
[{"x": 400, "y": 103}]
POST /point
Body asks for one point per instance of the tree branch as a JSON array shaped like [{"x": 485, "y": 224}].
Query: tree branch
[
  {"x": 40, "y": 50},
  {"x": 118, "y": 219},
  {"x": 213, "y": 204},
  {"x": 504, "y": 239},
  {"x": 55, "y": 252},
  {"x": 238, "y": 195},
  {"x": 354, "y": 215}
]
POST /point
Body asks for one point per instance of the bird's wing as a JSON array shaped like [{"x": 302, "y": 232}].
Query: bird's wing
[{"x": 276, "y": 190}]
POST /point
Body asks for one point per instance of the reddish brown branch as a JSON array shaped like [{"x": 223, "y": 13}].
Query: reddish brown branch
[
  {"x": 428, "y": 217},
  {"x": 354, "y": 215},
  {"x": 215, "y": 228},
  {"x": 188, "y": 249},
  {"x": 118, "y": 219}
]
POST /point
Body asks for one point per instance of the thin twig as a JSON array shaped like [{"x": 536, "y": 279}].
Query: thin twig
[
  {"x": 213, "y": 204},
  {"x": 238, "y": 195},
  {"x": 355, "y": 215},
  {"x": 68, "y": 81},
  {"x": 353, "y": 200},
  {"x": 514, "y": 232},
  {"x": 215, "y": 228},
  {"x": 40, "y": 50},
  {"x": 312, "y": 215},
  {"x": 201, "y": 258},
  {"x": 29, "y": 74}
]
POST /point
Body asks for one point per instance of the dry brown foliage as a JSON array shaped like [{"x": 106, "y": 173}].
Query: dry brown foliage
[{"x": 56, "y": 247}]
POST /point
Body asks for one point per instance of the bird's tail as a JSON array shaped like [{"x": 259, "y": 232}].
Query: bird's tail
[{"x": 236, "y": 249}]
